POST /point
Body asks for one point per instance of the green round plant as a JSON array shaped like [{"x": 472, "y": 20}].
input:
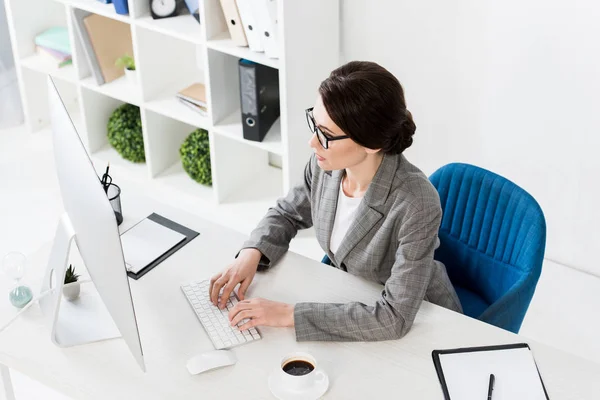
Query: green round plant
[
  {"x": 195, "y": 156},
  {"x": 125, "y": 133}
]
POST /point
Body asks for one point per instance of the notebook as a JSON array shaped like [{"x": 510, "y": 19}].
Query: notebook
[
  {"x": 151, "y": 241},
  {"x": 147, "y": 241},
  {"x": 54, "y": 57},
  {"x": 55, "y": 38},
  {"x": 110, "y": 40},
  {"x": 465, "y": 373},
  {"x": 195, "y": 93},
  {"x": 194, "y": 107}
]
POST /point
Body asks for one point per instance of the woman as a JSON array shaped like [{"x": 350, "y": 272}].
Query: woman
[{"x": 375, "y": 215}]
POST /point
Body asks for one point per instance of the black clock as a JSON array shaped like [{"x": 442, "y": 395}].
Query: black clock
[{"x": 165, "y": 8}]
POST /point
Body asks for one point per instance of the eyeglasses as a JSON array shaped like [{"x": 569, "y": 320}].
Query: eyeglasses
[{"x": 314, "y": 128}]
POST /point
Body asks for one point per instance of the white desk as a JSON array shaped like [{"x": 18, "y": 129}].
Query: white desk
[{"x": 171, "y": 333}]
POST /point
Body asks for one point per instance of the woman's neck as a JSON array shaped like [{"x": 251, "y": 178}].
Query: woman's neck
[{"x": 359, "y": 176}]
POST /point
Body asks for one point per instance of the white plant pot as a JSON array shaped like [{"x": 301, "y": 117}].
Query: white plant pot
[
  {"x": 71, "y": 292},
  {"x": 131, "y": 76}
]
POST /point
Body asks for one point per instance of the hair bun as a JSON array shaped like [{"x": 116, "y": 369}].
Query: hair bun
[{"x": 400, "y": 137}]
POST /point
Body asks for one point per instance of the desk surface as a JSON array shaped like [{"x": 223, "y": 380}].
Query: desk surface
[{"x": 171, "y": 333}]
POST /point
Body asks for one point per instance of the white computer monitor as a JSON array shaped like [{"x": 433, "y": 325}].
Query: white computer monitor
[{"x": 104, "y": 310}]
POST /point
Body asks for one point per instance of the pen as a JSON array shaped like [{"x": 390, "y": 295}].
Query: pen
[
  {"x": 491, "y": 386},
  {"x": 105, "y": 178}
]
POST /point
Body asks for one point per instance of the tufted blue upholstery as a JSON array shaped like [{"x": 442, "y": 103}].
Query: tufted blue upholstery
[{"x": 492, "y": 241}]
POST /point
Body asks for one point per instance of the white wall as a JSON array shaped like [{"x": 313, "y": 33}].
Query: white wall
[{"x": 512, "y": 86}]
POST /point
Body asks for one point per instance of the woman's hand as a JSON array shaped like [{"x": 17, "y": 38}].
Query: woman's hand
[
  {"x": 240, "y": 271},
  {"x": 262, "y": 312}
]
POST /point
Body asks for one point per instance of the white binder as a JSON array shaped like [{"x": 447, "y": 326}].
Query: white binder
[
  {"x": 265, "y": 14},
  {"x": 234, "y": 22},
  {"x": 250, "y": 26}
]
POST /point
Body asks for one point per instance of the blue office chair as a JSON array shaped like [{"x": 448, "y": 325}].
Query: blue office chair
[{"x": 492, "y": 241}]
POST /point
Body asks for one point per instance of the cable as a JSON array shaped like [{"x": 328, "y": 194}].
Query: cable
[{"x": 35, "y": 300}]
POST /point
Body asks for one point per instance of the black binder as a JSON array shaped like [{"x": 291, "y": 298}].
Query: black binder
[
  {"x": 188, "y": 233},
  {"x": 259, "y": 95},
  {"x": 440, "y": 373}
]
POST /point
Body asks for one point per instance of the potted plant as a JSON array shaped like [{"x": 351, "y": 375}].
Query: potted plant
[
  {"x": 128, "y": 64},
  {"x": 71, "y": 291}
]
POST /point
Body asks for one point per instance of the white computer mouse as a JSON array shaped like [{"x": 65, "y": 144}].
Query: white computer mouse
[{"x": 210, "y": 360}]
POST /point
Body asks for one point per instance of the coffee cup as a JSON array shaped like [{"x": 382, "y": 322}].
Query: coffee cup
[{"x": 299, "y": 371}]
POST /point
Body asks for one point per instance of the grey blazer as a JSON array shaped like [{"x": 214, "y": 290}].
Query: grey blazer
[{"x": 391, "y": 241}]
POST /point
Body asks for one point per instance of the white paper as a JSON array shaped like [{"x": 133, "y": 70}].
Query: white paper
[
  {"x": 467, "y": 375},
  {"x": 147, "y": 241}
]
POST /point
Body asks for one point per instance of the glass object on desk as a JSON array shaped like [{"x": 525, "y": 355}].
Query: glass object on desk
[{"x": 14, "y": 265}]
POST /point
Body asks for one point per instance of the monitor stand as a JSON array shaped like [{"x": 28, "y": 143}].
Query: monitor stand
[{"x": 84, "y": 320}]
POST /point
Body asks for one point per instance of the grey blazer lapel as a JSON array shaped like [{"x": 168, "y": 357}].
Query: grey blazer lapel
[
  {"x": 328, "y": 206},
  {"x": 370, "y": 210}
]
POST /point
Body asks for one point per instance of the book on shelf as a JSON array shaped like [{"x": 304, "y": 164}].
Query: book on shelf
[
  {"x": 56, "y": 58},
  {"x": 84, "y": 39},
  {"x": 110, "y": 39},
  {"x": 193, "y": 106},
  {"x": 194, "y": 97},
  {"x": 195, "y": 93},
  {"x": 55, "y": 38}
]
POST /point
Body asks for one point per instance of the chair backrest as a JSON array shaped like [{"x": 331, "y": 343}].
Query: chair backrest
[{"x": 492, "y": 235}]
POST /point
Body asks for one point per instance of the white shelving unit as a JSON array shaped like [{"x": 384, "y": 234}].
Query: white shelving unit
[{"x": 171, "y": 54}]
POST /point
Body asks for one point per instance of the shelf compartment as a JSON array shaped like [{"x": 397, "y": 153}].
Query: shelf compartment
[
  {"x": 164, "y": 138},
  {"x": 167, "y": 65},
  {"x": 120, "y": 89},
  {"x": 96, "y": 7},
  {"x": 232, "y": 127},
  {"x": 182, "y": 27},
  {"x": 223, "y": 43},
  {"x": 97, "y": 110},
  {"x": 242, "y": 173},
  {"x": 39, "y": 63}
]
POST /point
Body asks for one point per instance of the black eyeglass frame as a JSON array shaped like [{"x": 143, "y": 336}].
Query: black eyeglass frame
[{"x": 321, "y": 136}]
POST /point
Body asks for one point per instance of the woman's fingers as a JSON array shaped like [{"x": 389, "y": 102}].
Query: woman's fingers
[
  {"x": 213, "y": 279},
  {"x": 244, "y": 286},
  {"x": 244, "y": 314},
  {"x": 250, "y": 324},
  {"x": 216, "y": 289},
  {"x": 242, "y": 305},
  {"x": 228, "y": 288}
]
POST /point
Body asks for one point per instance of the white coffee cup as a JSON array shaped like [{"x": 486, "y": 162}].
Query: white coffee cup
[{"x": 302, "y": 371}]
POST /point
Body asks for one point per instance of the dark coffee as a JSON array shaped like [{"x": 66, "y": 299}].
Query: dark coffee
[{"x": 298, "y": 367}]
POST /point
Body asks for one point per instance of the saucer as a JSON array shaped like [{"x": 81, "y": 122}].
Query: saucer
[{"x": 312, "y": 393}]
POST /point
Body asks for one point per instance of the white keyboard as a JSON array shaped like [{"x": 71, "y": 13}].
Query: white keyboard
[{"x": 216, "y": 321}]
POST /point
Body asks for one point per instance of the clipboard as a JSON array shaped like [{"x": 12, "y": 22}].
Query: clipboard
[
  {"x": 479, "y": 354},
  {"x": 187, "y": 232}
]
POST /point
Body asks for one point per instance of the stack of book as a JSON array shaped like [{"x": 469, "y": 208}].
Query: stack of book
[
  {"x": 194, "y": 97},
  {"x": 54, "y": 46}
]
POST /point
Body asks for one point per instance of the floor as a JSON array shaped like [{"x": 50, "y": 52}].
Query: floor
[{"x": 563, "y": 312}]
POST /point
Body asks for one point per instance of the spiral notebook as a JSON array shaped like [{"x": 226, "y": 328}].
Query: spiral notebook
[{"x": 464, "y": 373}]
